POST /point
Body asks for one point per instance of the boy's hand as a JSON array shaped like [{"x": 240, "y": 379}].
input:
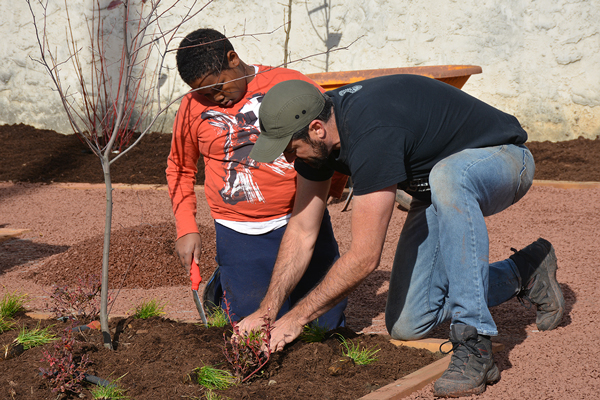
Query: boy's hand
[{"x": 189, "y": 246}]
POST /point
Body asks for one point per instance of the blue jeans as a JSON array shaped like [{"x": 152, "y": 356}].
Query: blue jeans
[
  {"x": 246, "y": 263},
  {"x": 441, "y": 269}
]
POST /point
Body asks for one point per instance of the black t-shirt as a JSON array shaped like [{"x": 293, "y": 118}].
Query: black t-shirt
[{"x": 394, "y": 129}]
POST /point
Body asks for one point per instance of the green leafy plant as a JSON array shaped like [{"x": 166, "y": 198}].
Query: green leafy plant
[
  {"x": 6, "y": 324},
  {"x": 249, "y": 352},
  {"x": 11, "y": 304},
  {"x": 35, "y": 337},
  {"x": 148, "y": 309},
  {"x": 66, "y": 372},
  {"x": 360, "y": 356},
  {"x": 111, "y": 391},
  {"x": 213, "y": 378},
  {"x": 79, "y": 303},
  {"x": 313, "y": 333}
]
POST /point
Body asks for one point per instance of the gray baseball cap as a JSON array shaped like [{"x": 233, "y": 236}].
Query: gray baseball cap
[{"x": 286, "y": 108}]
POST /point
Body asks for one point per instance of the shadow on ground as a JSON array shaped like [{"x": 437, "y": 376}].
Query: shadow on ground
[{"x": 19, "y": 252}]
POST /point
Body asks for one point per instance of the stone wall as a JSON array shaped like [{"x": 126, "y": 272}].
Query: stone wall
[{"x": 540, "y": 58}]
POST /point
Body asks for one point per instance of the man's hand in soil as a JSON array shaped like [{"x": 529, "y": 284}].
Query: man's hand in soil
[
  {"x": 285, "y": 331},
  {"x": 189, "y": 246},
  {"x": 252, "y": 322}
]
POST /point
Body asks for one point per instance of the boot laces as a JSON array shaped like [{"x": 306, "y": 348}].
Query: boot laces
[{"x": 461, "y": 350}]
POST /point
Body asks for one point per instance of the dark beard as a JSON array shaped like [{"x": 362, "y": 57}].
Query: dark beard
[{"x": 320, "y": 160}]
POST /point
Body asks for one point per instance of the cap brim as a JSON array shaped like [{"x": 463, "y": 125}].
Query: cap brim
[{"x": 267, "y": 149}]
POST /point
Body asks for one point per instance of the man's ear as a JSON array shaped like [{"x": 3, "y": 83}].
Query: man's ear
[
  {"x": 233, "y": 59},
  {"x": 317, "y": 128}
]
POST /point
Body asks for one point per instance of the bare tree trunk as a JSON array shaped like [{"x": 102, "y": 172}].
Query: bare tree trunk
[{"x": 105, "y": 254}]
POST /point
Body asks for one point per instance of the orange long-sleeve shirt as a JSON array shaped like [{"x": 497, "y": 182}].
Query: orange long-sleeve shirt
[{"x": 237, "y": 188}]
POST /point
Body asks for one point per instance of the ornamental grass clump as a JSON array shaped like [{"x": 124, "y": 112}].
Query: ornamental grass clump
[
  {"x": 35, "y": 337},
  {"x": 213, "y": 378},
  {"x": 149, "y": 309},
  {"x": 11, "y": 304},
  {"x": 360, "y": 356},
  {"x": 313, "y": 333},
  {"x": 210, "y": 395},
  {"x": 249, "y": 352},
  {"x": 6, "y": 324},
  {"x": 111, "y": 391},
  {"x": 26, "y": 339},
  {"x": 217, "y": 317}
]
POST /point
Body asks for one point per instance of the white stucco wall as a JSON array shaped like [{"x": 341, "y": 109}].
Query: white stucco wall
[{"x": 540, "y": 58}]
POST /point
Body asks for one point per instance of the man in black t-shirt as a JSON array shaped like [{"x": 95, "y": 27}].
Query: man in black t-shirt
[{"x": 460, "y": 159}]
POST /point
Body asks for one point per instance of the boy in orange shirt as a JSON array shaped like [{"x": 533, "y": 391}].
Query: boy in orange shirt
[{"x": 250, "y": 202}]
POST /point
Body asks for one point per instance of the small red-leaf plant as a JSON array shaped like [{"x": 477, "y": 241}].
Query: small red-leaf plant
[
  {"x": 249, "y": 352},
  {"x": 66, "y": 371},
  {"x": 81, "y": 303}
]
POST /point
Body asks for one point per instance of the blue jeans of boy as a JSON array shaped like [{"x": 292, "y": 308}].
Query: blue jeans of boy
[
  {"x": 441, "y": 269},
  {"x": 246, "y": 264}
]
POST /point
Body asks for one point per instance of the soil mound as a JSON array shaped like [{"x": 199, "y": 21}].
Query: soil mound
[{"x": 140, "y": 257}]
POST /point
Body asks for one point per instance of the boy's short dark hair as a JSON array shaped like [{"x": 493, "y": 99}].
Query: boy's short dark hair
[{"x": 202, "y": 52}]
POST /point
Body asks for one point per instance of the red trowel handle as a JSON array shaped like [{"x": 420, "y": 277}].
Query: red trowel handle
[{"x": 195, "y": 275}]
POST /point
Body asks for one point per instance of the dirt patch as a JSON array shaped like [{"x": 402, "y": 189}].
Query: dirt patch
[{"x": 157, "y": 356}]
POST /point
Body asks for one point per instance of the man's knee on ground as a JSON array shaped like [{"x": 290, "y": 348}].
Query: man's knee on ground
[{"x": 403, "y": 330}]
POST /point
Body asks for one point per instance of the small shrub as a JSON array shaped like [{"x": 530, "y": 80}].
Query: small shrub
[
  {"x": 66, "y": 372},
  {"x": 313, "y": 333},
  {"x": 247, "y": 353},
  {"x": 109, "y": 392},
  {"x": 213, "y": 378},
  {"x": 148, "y": 309},
  {"x": 360, "y": 356},
  {"x": 79, "y": 303},
  {"x": 11, "y": 304}
]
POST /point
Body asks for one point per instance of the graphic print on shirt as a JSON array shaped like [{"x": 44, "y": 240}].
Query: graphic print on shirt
[{"x": 241, "y": 132}]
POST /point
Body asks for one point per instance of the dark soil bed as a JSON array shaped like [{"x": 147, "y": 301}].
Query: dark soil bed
[
  {"x": 156, "y": 358},
  {"x": 32, "y": 155}
]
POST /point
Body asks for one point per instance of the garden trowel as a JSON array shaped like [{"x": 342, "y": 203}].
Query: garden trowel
[{"x": 196, "y": 279}]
